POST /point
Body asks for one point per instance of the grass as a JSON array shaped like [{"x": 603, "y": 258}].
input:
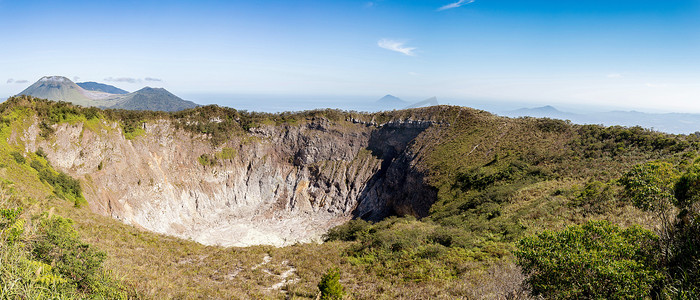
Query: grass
[
  {"x": 26, "y": 274},
  {"x": 497, "y": 180}
]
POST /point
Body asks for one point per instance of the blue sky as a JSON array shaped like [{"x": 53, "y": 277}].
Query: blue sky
[{"x": 639, "y": 54}]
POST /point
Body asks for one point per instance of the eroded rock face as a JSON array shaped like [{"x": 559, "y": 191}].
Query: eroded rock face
[{"x": 285, "y": 184}]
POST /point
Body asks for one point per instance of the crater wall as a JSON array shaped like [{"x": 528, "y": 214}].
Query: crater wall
[{"x": 274, "y": 185}]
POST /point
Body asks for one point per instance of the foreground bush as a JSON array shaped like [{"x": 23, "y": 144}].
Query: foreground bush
[
  {"x": 51, "y": 262},
  {"x": 596, "y": 260},
  {"x": 59, "y": 246},
  {"x": 330, "y": 286}
]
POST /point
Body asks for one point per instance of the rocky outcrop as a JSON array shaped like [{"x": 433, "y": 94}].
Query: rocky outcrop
[{"x": 275, "y": 185}]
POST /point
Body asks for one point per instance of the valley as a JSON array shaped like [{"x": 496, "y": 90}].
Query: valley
[
  {"x": 445, "y": 192},
  {"x": 350, "y": 150}
]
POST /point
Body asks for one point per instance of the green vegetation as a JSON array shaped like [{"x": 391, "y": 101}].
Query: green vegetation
[
  {"x": 43, "y": 258},
  {"x": 19, "y": 158},
  {"x": 596, "y": 260},
  {"x": 63, "y": 185},
  {"x": 80, "y": 264},
  {"x": 601, "y": 260},
  {"x": 537, "y": 184},
  {"x": 670, "y": 191},
  {"x": 499, "y": 181},
  {"x": 595, "y": 198},
  {"x": 206, "y": 160},
  {"x": 405, "y": 249},
  {"x": 330, "y": 286},
  {"x": 217, "y": 123},
  {"x": 226, "y": 153}
]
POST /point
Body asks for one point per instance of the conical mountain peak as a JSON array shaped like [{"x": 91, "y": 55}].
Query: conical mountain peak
[
  {"x": 55, "y": 79},
  {"x": 60, "y": 88}
]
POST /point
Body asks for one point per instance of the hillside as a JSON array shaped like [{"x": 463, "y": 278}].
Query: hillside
[
  {"x": 59, "y": 88},
  {"x": 677, "y": 123},
  {"x": 156, "y": 99},
  {"x": 391, "y": 102},
  {"x": 101, "y": 87},
  {"x": 446, "y": 193}
]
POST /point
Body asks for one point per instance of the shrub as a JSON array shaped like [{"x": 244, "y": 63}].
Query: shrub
[
  {"x": 649, "y": 186},
  {"x": 687, "y": 189},
  {"x": 684, "y": 264},
  {"x": 65, "y": 187},
  {"x": 350, "y": 231},
  {"x": 11, "y": 227},
  {"x": 595, "y": 197},
  {"x": 40, "y": 152},
  {"x": 553, "y": 125},
  {"x": 330, "y": 286},
  {"x": 19, "y": 158},
  {"x": 596, "y": 260},
  {"x": 59, "y": 246},
  {"x": 206, "y": 160},
  {"x": 227, "y": 153}
]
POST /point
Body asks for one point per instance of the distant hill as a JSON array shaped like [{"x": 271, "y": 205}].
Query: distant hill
[
  {"x": 390, "y": 101},
  {"x": 432, "y": 101},
  {"x": 59, "y": 88},
  {"x": 101, "y": 87},
  {"x": 679, "y": 123},
  {"x": 547, "y": 111},
  {"x": 154, "y": 99}
]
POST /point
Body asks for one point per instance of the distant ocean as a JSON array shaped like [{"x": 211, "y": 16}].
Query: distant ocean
[
  {"x": 279, "y": 103},
  {"x": 274, "y": 103}
]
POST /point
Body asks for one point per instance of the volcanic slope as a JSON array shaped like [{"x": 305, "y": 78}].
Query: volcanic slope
[
  {"x": 101, "y": 87},
  {"x": 59, "y": 88},
  {"x": 449, "y": 189}
]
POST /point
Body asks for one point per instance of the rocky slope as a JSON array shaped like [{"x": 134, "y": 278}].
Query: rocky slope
[{"x": 275, "y": 184}]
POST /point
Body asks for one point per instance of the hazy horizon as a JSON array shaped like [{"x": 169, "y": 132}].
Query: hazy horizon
[
  {"x": 281, "y": 103},
  {"x": 635, "y": 55}
]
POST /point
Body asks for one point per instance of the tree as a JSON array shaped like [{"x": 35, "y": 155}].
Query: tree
[
  {"x": 58, "y": 245},
  {"x": 684, "y": 263},
  {"x": 596, "y": 260},
  {"x": 650, "y": 187},
  {"x": 658, "y": 188},
  {"x": 330, "y": 285},
  {"x": 687, "y": 188}
]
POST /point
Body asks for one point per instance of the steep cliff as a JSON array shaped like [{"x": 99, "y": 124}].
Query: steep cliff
[{"x": 274, "y": 184}]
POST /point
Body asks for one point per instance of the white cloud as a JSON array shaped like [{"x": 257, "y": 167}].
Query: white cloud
[
  {"x": 123, "y": 79},
  {"x": 17, "y": 81},
  {"x": 76, "y": 78},
  {"x": 153, "y": 79},
  {"x": 396, "y": 46},
  {"x": 614, "y": 75},
  {"x": 455, "y": 4}
]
